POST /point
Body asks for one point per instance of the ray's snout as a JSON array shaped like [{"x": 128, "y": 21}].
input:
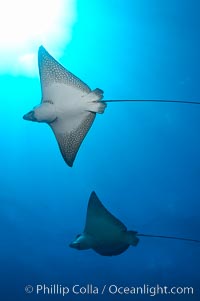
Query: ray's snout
[
  {"x": 75, "y": 245},
  {"x": 72, "y": 245},
  {"x": 29, "y": 116}
]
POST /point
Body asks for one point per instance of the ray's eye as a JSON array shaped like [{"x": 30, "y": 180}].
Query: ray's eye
[{"x": 78, "y": 235}]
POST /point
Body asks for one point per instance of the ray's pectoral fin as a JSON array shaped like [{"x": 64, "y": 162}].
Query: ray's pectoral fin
[
  {"x": 94, "y": 103},
  {"x": 70, "y": 137},
  {"x": 69, "y": 140}
]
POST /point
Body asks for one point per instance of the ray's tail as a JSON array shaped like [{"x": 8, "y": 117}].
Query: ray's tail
[
  {"x": 169, "y": 237},
  {"x": 154, "y": 100}
]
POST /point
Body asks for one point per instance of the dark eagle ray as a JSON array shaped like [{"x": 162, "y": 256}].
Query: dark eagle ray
[{"x": 106, "y": 234}]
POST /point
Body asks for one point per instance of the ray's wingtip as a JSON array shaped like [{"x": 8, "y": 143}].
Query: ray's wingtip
[
  {"x": 69, "y": 163},
  {"x": 41, "y": 49},
  {"x": 93, "y": 194}
]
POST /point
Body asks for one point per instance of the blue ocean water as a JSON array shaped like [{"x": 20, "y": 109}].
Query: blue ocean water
[{"x": 142, "y": 159}]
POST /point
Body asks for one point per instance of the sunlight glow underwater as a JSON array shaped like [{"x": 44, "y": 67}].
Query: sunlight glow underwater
[{"x": 24, "y": 25}]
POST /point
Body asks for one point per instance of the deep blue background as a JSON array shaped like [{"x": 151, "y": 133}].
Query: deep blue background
[{"x": 142, "y": 159}]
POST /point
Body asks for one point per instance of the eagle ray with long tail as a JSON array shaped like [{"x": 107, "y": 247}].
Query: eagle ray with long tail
[{"x": 68, "y": 105}]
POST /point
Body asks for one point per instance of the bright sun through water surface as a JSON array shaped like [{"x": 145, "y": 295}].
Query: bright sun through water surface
[{"x": 25, "y": 25}]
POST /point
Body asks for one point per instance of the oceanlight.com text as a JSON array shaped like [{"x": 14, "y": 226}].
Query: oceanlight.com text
[{"x": 111, "y": 289}]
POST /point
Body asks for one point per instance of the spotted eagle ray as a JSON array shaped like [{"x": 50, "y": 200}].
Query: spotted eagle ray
[
  {"x": 106, "y": 234},
  {"x": 68, "y": 105}
]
